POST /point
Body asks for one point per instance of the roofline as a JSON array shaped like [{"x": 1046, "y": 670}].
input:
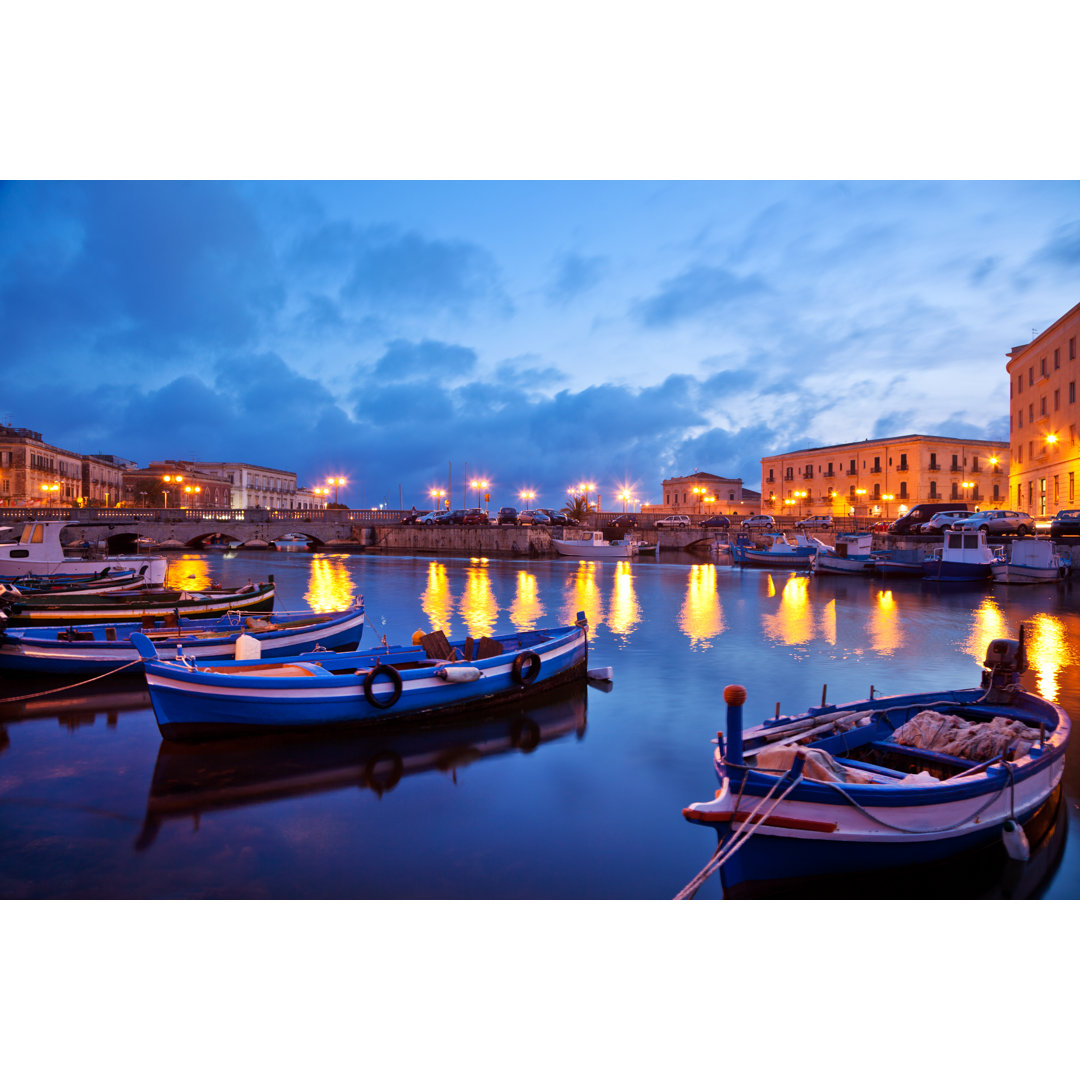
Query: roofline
[
  {"x": 1017, "y": 351},
  {"x": 890, "y": 439}
]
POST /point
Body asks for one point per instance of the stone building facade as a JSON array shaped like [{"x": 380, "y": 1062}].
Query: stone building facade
[
  {"x": 704, "y": 494},
  {"x": 885, "y": 477},
  {"x": 1043, "y": 419}
]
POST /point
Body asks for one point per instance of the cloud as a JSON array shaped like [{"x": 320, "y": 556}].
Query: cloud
[
  {"x": 702, "y": 291},
  {"x": 425, "y": 360},
  {"x": 574, "y": 275},
  {"x": 1063, "y": 247}
]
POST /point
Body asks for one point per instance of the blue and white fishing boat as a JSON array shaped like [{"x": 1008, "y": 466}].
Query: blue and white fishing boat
[
  {"x": 965, "y": 555},
  {"x": 324, "y": 690},
  {"x": 1033, "y": 562},
  {"x": 883, "y": 783},
  {"x": 900, "y": 562},
  {"x": 93, "y": 648},
  {"x": 849, "y": 555},
  {"x": 774, "y": 551},
  {"x": 71, "y": 584}
]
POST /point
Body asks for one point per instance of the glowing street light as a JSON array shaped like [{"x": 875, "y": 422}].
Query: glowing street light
[
  {"x": 585, "y": 489},
  {"x": 49, "y": 489},
  {"x": 478, "y": 486},
  {"x": 626, "y": 494},
  {"x": 436, "y": 494},
  {"x": 335, "y": 483},
  {"x": 191, "y": 489},
  {"x": 165, "y": 491},
  {"x": 527, "y": 495},
  {"x": 1051, "y": 439}
]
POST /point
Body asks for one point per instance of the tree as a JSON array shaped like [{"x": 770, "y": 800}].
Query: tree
[{"x": 577, "y": 506}]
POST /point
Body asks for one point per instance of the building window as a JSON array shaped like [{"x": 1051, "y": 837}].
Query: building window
[
  {"x": 997, "y": 493},
  {"x": 1019, "y": 496},
  {"x": 1072, "y": 348},
  {"x": 1057, "y": 490},
  {"x": 956, "y": 462},
  {"x": 1020, "y": 418},
  {"x": 1057, "y": 400},
  {"x": 1042, "y": 366},
  {"x": 851, "y": 467},
  {"x": 877, "y": 491},
  {"x": 1031, "y": 414},
  {"x": 903, "y": 489},
  {"x": 1057, "y": 359},
  {"x": 933, "y": 489},
  {"x": 1031, "y": 377},
  {"x": 933, "y": 461},
  {"x": 1072, "y": 487},
  {"x": 877, "y": 464},
  {"x": 1072, "y": 393},
  {"x": 955, "y": 490},
  {"x": 1019, "y": 452},
  {"x": 903, "y": 461},
  {"x": 1042, "y": 406}
]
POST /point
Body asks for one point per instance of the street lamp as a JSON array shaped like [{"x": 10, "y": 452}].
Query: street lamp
[
  {"x": 527, "y": 495},
  {"x": 49, "y": 489},
  {"x": 165, "y": 490},
  {"x": 191, "y": 489},
  {"x": 478, "y": 486},
  {"x": 436, "y": 494},
  {"x": 585, "y": 489},
  {"x": 625, "y": 495},
  {"x": 335, "y": 483},
  {"x": 700, "y": 492}
]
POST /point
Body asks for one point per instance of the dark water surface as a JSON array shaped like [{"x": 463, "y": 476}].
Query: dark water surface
[{"x": 578, "y": 796}]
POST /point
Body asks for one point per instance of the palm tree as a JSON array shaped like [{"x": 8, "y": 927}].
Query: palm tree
[{"x": 577, "y": 506}]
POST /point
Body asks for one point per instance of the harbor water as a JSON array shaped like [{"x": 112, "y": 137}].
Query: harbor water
[{"x": 575, "y": 796}]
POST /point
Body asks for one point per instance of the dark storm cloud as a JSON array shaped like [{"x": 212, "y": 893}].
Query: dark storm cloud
[
  {"x": 424, "y": 360},
  {"x": 574, "y": 275},
  {"x": 701, "y": 291},
  {"x": 117, "y": 267}
]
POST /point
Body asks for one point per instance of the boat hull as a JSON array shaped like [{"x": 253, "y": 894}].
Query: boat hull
[
  {"x": 227, "y": 701},
  {"x": 582, "y": 549},
  {"x": 45, "y": 651}
]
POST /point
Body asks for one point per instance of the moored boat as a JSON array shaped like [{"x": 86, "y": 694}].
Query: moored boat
[
  {"x": 134, "y": 604},
  {"x": 40, "y": 551},
  {"x": 965, "y": 555},
  {"x": 850, "y": 555},
  {"x": 107, "y": 580},
  {"x": 99, "y": 647},
  {"x": 593, "y": 546},
  {"x": 323, "y": 690},
  {"x": 883, "y": 783},
  {"x": 774, "y": 551},
  {"x": 1033, "y": 562}
]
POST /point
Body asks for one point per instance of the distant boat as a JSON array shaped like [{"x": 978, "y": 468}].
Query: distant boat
[
  {"x": 593, "y": 546},
  {"x": 850, "y": 555},
  {"x": 1032, "y": 562},
  {"x": 774, "y": 551},
  {"x": 899, "y": 562},
  {"x": 39, "y": 551},
  {"x": 135, "y": 604},
  {"x": 96, "y": 647},
  {"x": 107, "y": 580}
]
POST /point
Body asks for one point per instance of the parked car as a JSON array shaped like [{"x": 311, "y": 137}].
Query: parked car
[
  {"x": 624, "y": 521},
  {"x": 674, "y": 521},
  {"x": 1066, "y": 523},
  {"x": 942, "y": 521},
  {"x": 998, "y": 522},
  {"x": 475, "y": 516},
  {"x": 431, "y": 518},
  {"x": 453, "y": 517},
  {"x": 507, "y": 515},
  {"x": 412, "y": 518},
  {"x": 718, "y": 522},
  {"x": 533, "y": 517},
  {"x": 920, "y": 514},
  {"x": 760, "y": 521},
  {"x": 557, "y": 517},
  {"x": 815, "y": 521}
]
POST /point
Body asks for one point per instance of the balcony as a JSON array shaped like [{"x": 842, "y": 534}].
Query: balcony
[{"x": 934, "y": 467}]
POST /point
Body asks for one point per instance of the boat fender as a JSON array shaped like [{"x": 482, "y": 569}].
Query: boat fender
[
  {"x": 459, "y": 673},
  {"x": 601, "y": 674},
  {"x": 1015, "y": 840},
  {"x": 393, "y": 675},
  {"x": 526, "y": 668},
  {"x": 418, "y": 636},
  {"x": 248, "y": 648}
]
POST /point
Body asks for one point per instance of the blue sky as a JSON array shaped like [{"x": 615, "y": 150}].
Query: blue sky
[{"x": 543, "y": 333}]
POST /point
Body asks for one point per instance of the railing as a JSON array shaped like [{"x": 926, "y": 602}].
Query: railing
[{"x": 107, "y": 515}]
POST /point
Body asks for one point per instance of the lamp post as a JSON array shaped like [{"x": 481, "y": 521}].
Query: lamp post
[
  {"x": 479, "y": 486},
  {"x": 527, "y": 495},
  {"x": 165, "y": 491},
  {"x": 585, "y": 489},
  {"x": 335, "y": 483},
  {"x": 625, "y": 495},
  {"x": 49, "y": 489},
  {"x": 700, "y": 492},
  {"x": 191, "y": 489}
]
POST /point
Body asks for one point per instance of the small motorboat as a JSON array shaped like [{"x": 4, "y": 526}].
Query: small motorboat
[
  {"x": 319, "y": 691},
  {"x": 1033, "y": 562},
  {"x": 39, "y": 550},
  {"x": 108, "y": 580},
  {"x": 773, "y": 550},
  {"x": 593, "y": 546},
  {"x": 883, "y": 783},
  {"x": 849, "y": 555},
  {"x": 899, "y": 562},
  {"x": 965, "y": 555},
  {"x": 97, "y": 647}
]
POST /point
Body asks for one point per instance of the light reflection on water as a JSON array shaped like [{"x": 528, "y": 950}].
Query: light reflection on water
[
  {"x": 191, "y": 572},
  {"x": 331, "y": 587},
  {"x": 793, "y": 622},
  {"x": 701, "y": 618},
  {"x": 526, "y": 611},
  {"x": 625, "y": 609},
  {"x": 478, "y": 607},
  {"x": 1049, "y": 652},
  {"x": 583, "y": 594},
  {"x": 886, "y": 635}
]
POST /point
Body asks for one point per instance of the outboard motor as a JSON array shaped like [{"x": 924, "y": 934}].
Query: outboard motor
[{"x": 1006, "y": 661}]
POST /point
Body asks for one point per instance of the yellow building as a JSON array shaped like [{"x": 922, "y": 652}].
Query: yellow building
[
  {"x": 1043, "y": 419},
  {"x": 704, "y": 493},
  {"x": 885, "y": 477}
]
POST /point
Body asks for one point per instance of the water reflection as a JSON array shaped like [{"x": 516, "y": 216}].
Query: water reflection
[
  {"x": 330, "y": 587},
  {"x": 885, "y": 633},
  {"x": 526, "y": 610},
  {"x": 478, "y": 607},
  {"x": 1048, "y": 652},
  {"x": 193, "y": 779},
  {"x": 701, "y": 617},
  {"x": 988, "y": 624},
  {"x": 583, "y": 594},
  {"x": 625, "y": 610},
  {"x": 189, "y": 571},
  {"x": 793, "y": 623},
  {"x": 436, "y": 599}
]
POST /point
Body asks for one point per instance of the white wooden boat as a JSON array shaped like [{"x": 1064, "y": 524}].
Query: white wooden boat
[
  {"x": 593, "y": 546},
  {"x": 965, "y": 555},
  {"x": 1032, "y": 562},
  {"x": 849, "y": 555},
  {"x": 39, "y": 551}
]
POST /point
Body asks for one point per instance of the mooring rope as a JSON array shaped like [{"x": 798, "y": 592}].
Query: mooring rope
[{"x": 72, "y": 686}]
